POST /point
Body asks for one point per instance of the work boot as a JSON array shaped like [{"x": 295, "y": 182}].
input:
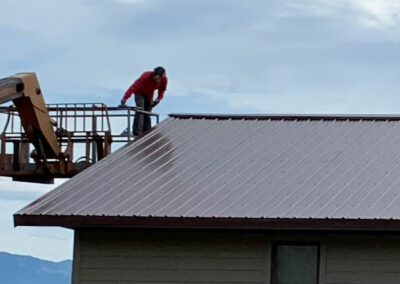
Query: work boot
[{"x": 135, "y": 135}]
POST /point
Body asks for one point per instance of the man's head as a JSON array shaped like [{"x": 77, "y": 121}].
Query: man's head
[{"x": 159, "y": 72}]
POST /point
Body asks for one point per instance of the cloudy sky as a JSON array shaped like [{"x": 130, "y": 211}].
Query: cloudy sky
[{"x": 221, "y": 56}]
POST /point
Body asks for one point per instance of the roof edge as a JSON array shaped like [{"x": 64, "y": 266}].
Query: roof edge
[
  {"x": 76, "y": 221},
  {"x": 287, "y": 116}
]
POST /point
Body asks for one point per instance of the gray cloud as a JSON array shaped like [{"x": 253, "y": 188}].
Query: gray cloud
[
  {"x": 311, "y": 53},
  {"x": 22, "y": 191},
  {"x": 19, "y": 195}
]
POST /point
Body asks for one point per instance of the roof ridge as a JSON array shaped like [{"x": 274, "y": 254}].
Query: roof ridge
[{"x": 286, "y": 116}]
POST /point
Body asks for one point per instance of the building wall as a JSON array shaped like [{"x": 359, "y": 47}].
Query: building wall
[
  {"x": 361, "y": 259},
  {"x": 125, "y": 256}
]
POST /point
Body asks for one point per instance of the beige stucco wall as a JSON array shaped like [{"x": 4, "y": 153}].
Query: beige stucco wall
[{"x": 126, "y": 256}]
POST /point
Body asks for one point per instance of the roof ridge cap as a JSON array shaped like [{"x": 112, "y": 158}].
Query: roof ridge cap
[{"x": 286, "y": 116}]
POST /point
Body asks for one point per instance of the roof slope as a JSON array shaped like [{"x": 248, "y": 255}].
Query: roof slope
[{"x": 216, "y": 167}]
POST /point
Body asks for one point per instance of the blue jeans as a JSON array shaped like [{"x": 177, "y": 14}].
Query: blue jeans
[{"x": 142, "y": 121}]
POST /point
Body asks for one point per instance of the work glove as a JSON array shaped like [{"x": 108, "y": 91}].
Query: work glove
[{"x": 154, "y": 103}]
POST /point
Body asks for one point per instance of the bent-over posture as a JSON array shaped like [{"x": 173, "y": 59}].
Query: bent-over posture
[{"x": 144, "y": 88}]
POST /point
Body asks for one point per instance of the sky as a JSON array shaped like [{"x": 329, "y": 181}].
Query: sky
[{"x": 221, "y": 56}]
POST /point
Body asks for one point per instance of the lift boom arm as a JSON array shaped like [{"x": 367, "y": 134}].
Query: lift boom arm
[
  {"x": 24, "y": 90},
  {"x": 57, "y": 132}
]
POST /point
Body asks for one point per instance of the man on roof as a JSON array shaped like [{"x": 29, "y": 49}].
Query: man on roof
[{"x": 143, "y": 89}]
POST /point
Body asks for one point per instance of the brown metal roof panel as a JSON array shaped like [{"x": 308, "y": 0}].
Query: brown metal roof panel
[
  {"x": 130, "y": 171},
  {"x": 379, "y": 199},
  {"x": 197, "y": 158},
  {"x": 90, "y": 176},
  {"x": 167, "y": 176},
  {"x": 364, "y": 183},
  {"x": 348, "y": 176},
  {"x": 210, "y": 167},
  {"x": 205, "y": 186},
  {"x": 216, "y": 174},
  {"x": 243, "y": 168},
  {"x": 268, "y": 177},
  {"x": 130, "y": 167}
]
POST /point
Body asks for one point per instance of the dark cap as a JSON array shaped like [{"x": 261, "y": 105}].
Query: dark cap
[{"x": 159, "y": 71}]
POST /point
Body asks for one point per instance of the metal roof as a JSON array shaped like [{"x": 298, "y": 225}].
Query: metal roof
[{"x": 239, "y": 171}]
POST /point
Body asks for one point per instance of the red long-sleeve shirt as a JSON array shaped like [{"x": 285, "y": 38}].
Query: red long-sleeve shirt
[{"x": 146, "y": 85}]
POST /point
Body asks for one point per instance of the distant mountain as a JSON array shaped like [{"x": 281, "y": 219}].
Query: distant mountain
[{"x": 19, "y": 269}]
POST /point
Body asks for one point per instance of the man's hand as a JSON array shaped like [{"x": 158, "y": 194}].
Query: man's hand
[
  {"x": 123, "y": 102},
  {"x": 154, "y": 103}
]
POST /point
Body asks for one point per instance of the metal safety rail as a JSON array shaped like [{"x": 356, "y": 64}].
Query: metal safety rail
[{"x": 81, "y": 128}]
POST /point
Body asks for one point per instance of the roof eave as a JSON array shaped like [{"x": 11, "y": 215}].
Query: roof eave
[{"x": 74, "y": 221}]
